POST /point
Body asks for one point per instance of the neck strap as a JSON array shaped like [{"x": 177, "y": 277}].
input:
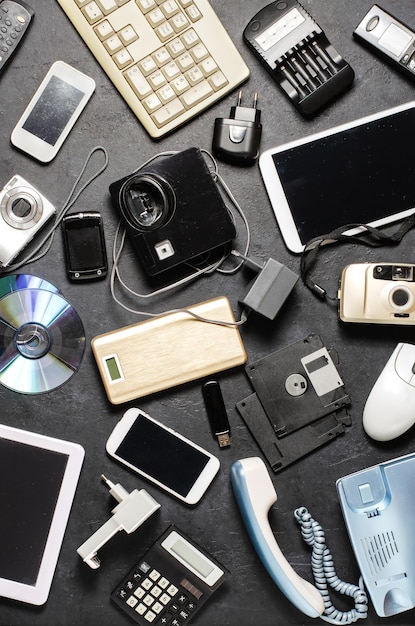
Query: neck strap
[{"x": 369, "y": 236}]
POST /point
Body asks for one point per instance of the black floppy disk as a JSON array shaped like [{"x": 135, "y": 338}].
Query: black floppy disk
[{"x": 299, "y": 404}]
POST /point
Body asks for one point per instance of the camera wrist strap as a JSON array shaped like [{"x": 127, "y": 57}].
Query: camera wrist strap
[{"x": 370, "y": 237}]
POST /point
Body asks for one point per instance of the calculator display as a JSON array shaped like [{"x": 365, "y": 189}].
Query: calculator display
[{"x": 189, "y": 556}]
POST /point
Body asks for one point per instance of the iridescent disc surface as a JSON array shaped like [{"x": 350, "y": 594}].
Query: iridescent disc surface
[
  {"x": 14, "y": 282},
  {"x": 42, "y": 340}
]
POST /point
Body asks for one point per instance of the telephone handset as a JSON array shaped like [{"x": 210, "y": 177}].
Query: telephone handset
[{"x": 255, "y": 494}]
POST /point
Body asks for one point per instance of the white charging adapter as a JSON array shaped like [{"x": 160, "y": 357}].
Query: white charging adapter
[{"x": 133, "y": 509}]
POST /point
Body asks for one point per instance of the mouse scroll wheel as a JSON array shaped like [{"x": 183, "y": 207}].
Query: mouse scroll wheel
[{"x": 413, "y": 369}]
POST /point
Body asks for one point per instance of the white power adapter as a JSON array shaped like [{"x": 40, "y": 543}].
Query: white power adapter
[{"x": 133, "y": 509}]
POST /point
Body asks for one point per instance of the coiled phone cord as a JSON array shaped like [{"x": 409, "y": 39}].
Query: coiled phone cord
[{"x": 325, "y": 574}]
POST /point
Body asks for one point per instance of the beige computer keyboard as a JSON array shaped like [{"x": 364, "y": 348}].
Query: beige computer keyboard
[{"x": 169, "y": 59}]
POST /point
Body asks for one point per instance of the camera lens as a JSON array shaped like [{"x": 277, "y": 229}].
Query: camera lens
[
  {"x": 147, "y": 201},
  {"x": 21, "y": 208},
  {"x": 401, "y": 298}
]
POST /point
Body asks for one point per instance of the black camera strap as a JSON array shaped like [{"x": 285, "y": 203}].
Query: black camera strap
[{"x": 370, "y": 237}]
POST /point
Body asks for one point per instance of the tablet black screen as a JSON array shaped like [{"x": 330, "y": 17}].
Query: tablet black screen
[
  {"x": 30, "y": 482},
  {"x": 358, "y": 175}
]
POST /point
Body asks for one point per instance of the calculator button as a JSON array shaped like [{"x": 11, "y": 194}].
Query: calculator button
[
  {"x": 182, "y": 598},
  {"x": 157, "y": 607},
  {"x": 139, "y": 592},
  {"x": 184, "y": 615},
  {"x": 132, "y": 601},
  {"x": 150, "y": 616},
  {"x": 144, "y": 567},
  {"x": 163, "y": 583},
  {"x": 154, "y": 575},
  {"x": 147, "y": 584},
  {"x": 164, "y": 598},
  {"x": 172, "y": 590},
  {"x": 156, "y": 591},
  {"x": 141, "y": 608},
  {"x": 148, "y": 600}
]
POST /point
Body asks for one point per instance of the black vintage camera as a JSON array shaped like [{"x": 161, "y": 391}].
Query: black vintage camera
[{"x": 173, "y": 211}]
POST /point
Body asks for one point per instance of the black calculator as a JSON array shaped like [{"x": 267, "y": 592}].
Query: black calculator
[{"x": 170, "y": 583}]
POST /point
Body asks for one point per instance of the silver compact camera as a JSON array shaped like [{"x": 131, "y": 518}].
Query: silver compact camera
[
  {"x": 23, "y": 212},
  {"x": 377, "y": 293}
]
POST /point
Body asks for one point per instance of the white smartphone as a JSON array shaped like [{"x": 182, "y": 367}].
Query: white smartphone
[
  {"x": 52, "y": 112},
  {"x": 162, "y": 455}
]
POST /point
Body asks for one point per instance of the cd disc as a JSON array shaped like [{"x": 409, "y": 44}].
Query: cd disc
[
  {"x": 14, "y": 282},
  {"x": 42, "y": 340}
]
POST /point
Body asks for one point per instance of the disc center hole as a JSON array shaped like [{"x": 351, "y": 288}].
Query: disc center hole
[{"x": 33, "y": 340}]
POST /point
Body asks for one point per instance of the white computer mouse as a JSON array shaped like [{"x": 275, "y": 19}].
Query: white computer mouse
[{"x": 390, "y": 408}]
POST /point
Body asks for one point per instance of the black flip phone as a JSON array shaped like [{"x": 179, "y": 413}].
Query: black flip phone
[
  {"x": 298, "y": 55},
  {"x": 85, "y": 251}
]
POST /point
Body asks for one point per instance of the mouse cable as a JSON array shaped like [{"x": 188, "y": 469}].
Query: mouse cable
[
  {"x": 325, "y": 574},
  {"x": 368, "y": 236},
  {"x": 44, "y": 245},
  {"x": 119, "y": 241}
]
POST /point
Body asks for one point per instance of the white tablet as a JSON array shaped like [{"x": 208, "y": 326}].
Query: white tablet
[
  {"x": 38, "y": 478},
  {"x": 361, "y": 172}
]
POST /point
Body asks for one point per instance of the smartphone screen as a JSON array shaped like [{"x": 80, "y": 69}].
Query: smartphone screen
[
  {"x": 84, "y": 242},
  {"x": 163, "y": 456},
  {"x": 57, "y": 104}
]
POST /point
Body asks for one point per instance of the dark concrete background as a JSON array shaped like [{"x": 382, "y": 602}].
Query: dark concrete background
[{"x": 79, "y": 411}]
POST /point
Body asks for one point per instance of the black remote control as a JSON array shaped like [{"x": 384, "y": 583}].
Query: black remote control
[{"x": 15, "y": 18}]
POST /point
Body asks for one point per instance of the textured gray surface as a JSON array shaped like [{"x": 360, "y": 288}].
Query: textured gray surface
[{"x": 79, "y": 411}]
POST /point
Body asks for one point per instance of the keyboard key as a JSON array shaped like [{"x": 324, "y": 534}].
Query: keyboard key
[
  {"x": 107, "y": 6},
  {"x": 104, "y": 30},
  {"x": 138, "y": 82},
  {"x": 196, "y": 94},
  {"x": 92, "y": 12},
  {"x": 168, "y": 113}
]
